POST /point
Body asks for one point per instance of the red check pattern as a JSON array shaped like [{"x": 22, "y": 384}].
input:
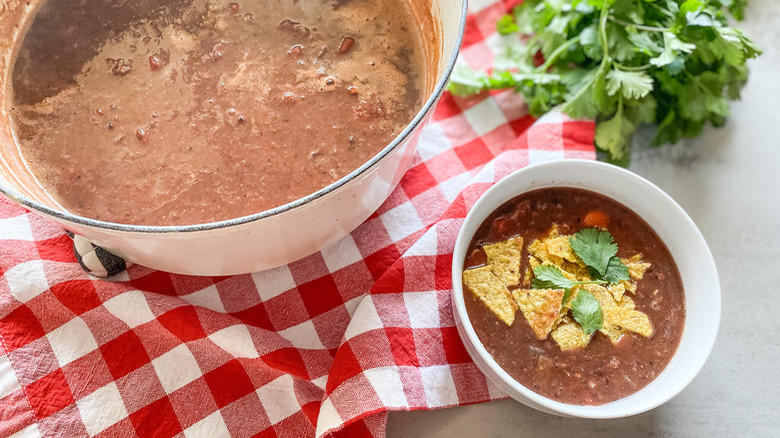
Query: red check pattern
[{"x": 326, "y": 345}]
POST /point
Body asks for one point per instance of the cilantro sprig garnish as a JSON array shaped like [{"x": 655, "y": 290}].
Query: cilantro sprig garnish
[
  {"x": 550, "y": 277},
  {"x": 673, "y": 63},
  {"x": 616, "y": 271},
  {"x": 597, "y": 248},
  {"x": 586, "y": 310}
]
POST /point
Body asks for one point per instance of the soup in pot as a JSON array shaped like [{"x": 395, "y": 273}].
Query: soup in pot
[{"x": 180, "y": 112}]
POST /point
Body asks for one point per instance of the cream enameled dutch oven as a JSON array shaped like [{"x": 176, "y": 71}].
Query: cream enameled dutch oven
[{"x": 252, "y": 243}]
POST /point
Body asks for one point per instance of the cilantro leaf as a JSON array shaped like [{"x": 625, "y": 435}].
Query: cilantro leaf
[
  {"x": 589, "y": 38},
  {"x": 506, "y": 24},
  {"x": 737, "y": 8},
  {"x": 584, "y": 104},
  {"x": 702, "y": 18},
  {"x": 586, "y": 310},
  {"x": 644, "y": 42},
  {"x": 691, "y": 6},
  {"x": 672, "y": 47},
  {"x": 465, "y": 81},
  {"x": 612, "y": 135},
  {"x": 633, "y": 84},
  {"x": 595, "y": 247},
  {"x": 550, "y": 277},
  {"x": 616, "y": 271},
  {"x": 643, "y": 110}
]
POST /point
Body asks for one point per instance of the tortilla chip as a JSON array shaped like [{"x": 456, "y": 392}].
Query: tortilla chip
[
  {"x": 538, "y": 249},
  {"x": 563, "y": 316},
  {"x": 634, "y": 258},
  {"x": 560, "y": 247},
  {"x": 565, "y": 273},
  {"x": 629, "y": 319},
  {"x": 617, "y": 290},
  {"x": 528, "y": 276},
  {"x": 569, "y": 335},
  {"x": 613, "y": 332},
  {"x": 627, "y": 303},
  {"x": 580, "y": 272},
  {"x": 488, "y": 288},
  {"x": 636, "y": 268},
  {"x": 602, "y": 295},
  {"x": 541, "y": 308},
  {"x": 629, "y": 286},
  {"x": 504, "y": 259}
]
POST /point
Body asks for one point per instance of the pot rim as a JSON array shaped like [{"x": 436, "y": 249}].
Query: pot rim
[{"x": 159, "y": 229}]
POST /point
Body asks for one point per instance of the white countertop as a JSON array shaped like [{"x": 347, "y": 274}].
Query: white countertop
[{"x": 728, "y": 180}]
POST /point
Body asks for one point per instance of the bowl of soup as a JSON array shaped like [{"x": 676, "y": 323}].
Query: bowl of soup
[
  {"x": 582, "y": 289},
  {"x": 216, "y": 137}
]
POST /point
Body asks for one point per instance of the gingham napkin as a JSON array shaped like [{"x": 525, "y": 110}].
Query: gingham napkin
[{"x": 325, "y": 345}]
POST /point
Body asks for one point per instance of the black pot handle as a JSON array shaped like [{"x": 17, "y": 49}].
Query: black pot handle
[{"x": 96, "y": 260}]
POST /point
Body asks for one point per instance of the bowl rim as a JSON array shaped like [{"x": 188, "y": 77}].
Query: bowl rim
[
  {"x": 416, "y": 123},
  {"x": 520, "y": 392}
]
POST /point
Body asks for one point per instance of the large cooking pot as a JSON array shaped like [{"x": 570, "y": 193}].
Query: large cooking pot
[{"x": 259, "y": 241}]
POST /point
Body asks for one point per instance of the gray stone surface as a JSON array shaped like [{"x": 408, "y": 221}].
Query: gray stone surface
[{"x": 728, "y": 180}]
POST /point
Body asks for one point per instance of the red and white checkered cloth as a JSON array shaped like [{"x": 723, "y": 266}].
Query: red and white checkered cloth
[{"x": 325, "y": 345}]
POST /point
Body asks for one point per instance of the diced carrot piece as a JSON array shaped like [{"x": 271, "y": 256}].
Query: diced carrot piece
[{"x": 596, "y": 218}]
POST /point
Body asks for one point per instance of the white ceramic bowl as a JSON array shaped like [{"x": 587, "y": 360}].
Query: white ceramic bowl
[
  {"x": 259, "y": 241},
  {"x": 676, "y": 230}
]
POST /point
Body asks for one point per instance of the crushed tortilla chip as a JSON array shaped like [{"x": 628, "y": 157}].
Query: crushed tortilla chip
[
  {"x": 602, "y": 295},
  {"x": 541, "y": 308},
  {"x": 488, "y": 288},
  {"x": 565, "y": 273},
  {"x": 636, "y": 268},
  {"x": 636, "y": 258},
  {"x": 569, "y": 335},
  {"x": 605, "y": 297},
  {"x": 560, "y": 247},
  {"x": 528, "y": 276},
  {"x": 617, "y": 290},
  {"x": 630, "y": 286},
  {"x": 627, "y": 303},
  {"x": 504, "y": 259},
  {"x": 563, "y": 316},
  {"x": 580, "y": 272},
  {"x": 613, "y": 332},
  {"x": 538, "y": 249},
  {"x": 632, "y": 320}
]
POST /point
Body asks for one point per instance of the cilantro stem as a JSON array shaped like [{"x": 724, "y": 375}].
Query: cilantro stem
[
  {"x": 554, "y": 55},
  {"x": 614, "y": 19},
  {"x": 603, "y": 29},
  {"x": 630, "y": 68},
  {"x": 606, "y": 61}
]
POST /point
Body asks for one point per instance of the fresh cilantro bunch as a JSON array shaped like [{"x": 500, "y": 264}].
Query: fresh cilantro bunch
[{"x": 675, "y": 63}]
